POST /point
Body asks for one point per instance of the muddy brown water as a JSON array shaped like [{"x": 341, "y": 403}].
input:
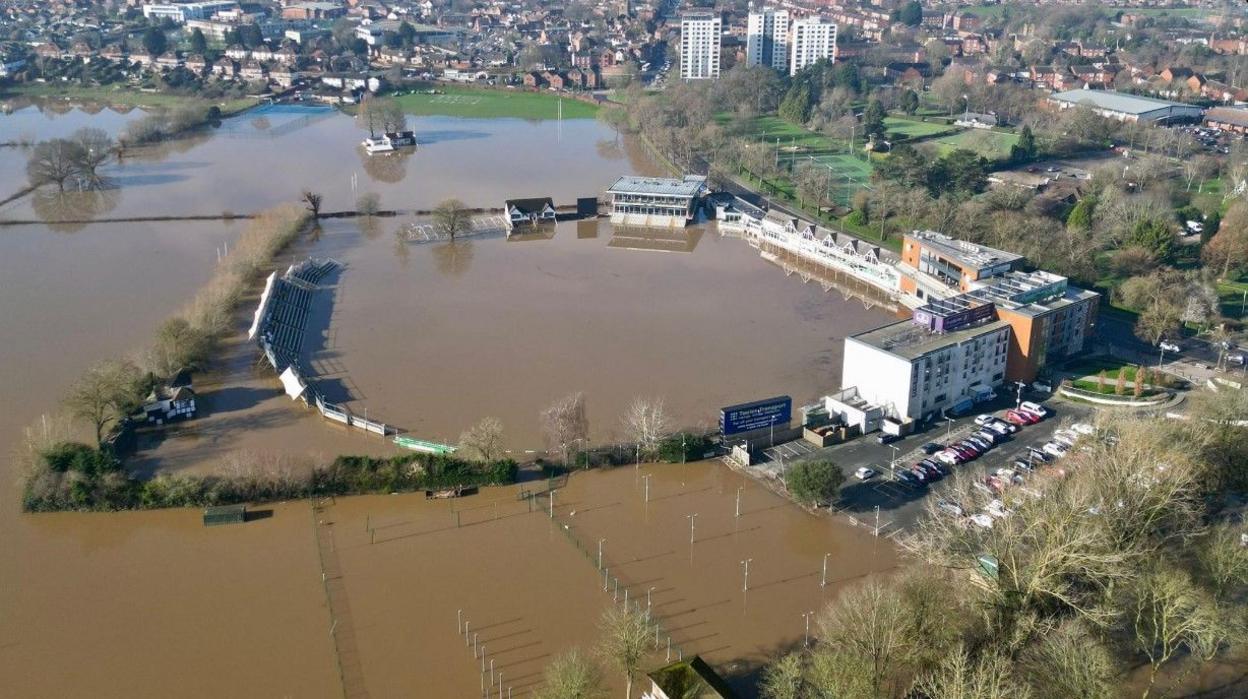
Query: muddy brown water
[{"x": 152, "y": 604}]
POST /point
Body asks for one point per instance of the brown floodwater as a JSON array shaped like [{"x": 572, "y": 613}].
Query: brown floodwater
[
  {"x": 153, "y": 604},
  {"x": 531, "y": 588}
]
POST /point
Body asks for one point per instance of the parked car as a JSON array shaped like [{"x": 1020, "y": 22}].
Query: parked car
[
  {"x": 919, "y": 474},
  {"x": 931, "y": 473},
  {"x": 1237, "y": 358},
  {"x": 997, "y": 509},
  {"x": 887, "y": 438},
  {"x": 949, "y": 456},
  {"x": 1022, "y": 465},
  {"x": 1002, "y": 428},
  {"x": 984, "y": 419},
  {"x": 1170, "y": 346},
  {"x": 1034, "y": 408},
  {"x": 949, "y": 507},
  {"x": 864, "y": 473},
  {"x": 1038, "y": 455},
  {"x": 940, "y": 466},
  {"x": 931, "y": 448},
  {"x": 1065, "y": 438},
  {"x": 988, "y": 436},
  {"x": 908, "y": 478},
  {"x": 1083, "y": 428},
  {"x": 1054, "y": 449},
  {"x": 1016, "y": 418}
]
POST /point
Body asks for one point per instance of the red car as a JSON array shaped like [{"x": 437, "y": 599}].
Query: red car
[{"x": 1019, "y": 417}]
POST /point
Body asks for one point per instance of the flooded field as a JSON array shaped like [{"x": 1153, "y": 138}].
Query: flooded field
[
  {"x": 143, "y": 604},
  {"x": 531, "y": 587}
]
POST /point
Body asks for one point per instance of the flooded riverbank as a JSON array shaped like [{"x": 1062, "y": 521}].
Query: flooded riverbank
[{"x": 153, "y": 603}]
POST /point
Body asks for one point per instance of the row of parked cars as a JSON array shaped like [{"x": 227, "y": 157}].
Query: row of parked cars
[
  {"x": 1001, "y": 479},
  {"x": 942, "y": 458}
]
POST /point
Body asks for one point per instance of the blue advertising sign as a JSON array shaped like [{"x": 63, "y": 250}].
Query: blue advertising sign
[{"x": 760, "y": 414}]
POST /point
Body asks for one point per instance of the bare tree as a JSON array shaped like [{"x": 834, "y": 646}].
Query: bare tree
[
  {"x": 368, "y": 204},
  {"x": 1166, "y": 615},
  {"x": 484, "y": 440},
  {"x": 104, "y": 394},
  {"x": 784, "y": 679},
  {"x": 646, "y": 424},
  {"x": 1224, "y": 560},
  {"x": 54, "y": 162},
  {"x": 1070, "y": 662},
  {"x": 451, "y": 218},
  {"x": 571, "y": 676},
  {"x": 381, "y": 115},
  {"x": 313, "y": 200},
  {"x": 989, "y": 676},
  {"x": 625, "y": 642},
  {"x": 94, "y": 148},
  {"x": 565, "y": 423},
  {"x": 865, "y": 627}
]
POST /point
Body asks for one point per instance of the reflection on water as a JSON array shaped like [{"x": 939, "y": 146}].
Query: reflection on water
[
  {"x": 70, "y": 210},
  {"x": 610, "y": 149},
  {"x": 370, "y": 226},
  {"x": 453, "y": 258},
  {"x": 385, "y": 167},
  {"x": 655, "y": 239}
]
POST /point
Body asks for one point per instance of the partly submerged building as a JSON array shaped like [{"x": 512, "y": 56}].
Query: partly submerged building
[
  {"x": 532, "y": 211},
  {"x": 687, "y": 679},
  {"x": 172, "y": 401},
  {"x": 656, "y": 201}
]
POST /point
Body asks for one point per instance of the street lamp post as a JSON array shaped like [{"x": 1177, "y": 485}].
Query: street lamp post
[
  {"x": 892, "y": 465},
  {"x": 646, "y": 478},
  {"x": 948, "y": 430},
  {"x": 806, "y": 640},
  {"x": 745, "y": 586},
  {"x": 823, "y": 579},
  {"x": 739, "y": 489},
  {"x": 600, "y": 541},
  {"x": 693, "y": 518},
  {"x": 1018, "y": 399},
  {"x": 652, "y": 589}
]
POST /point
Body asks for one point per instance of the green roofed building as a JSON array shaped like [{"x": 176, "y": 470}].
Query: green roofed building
[{"x": 687, "y": 679}]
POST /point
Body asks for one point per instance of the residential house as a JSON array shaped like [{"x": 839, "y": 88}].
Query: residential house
[
  {"x": 253, "y": 71},
  {"x": 225, "y": 67},
  {"x": 1228, "y": 119},
  {"x": 531, "y": 211},
  {"x": 196, "y": 63},
  {"x": 173, "y": 401}
]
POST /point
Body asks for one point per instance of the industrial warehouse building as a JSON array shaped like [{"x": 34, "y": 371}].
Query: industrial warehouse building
[{"x": 1124, "y": 107}]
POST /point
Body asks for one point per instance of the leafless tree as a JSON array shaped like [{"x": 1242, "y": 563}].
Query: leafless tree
[
  {"x": 1166, "y": 615},
  {"x": 313, "y": 200},
  {"x": 785, "y": 679},
  {"x": 368, "y": 204},
  {"x": 484, "y": 440},
  {"x": 571, "y": 676},
  {"x": 625, "y": 642},
  {"x": 94, "y": 148},
  {"x": 451, "y": 218},
  {"x": 54, "y": 162},
  {"x": 381, "y": 115},
  {"x": 1070, "y": 662},
  {"x": 565, "y": 422},
  {"x": 989, "y": 676},
  {"x": 104, "y": 394},
  {"x": 646, "y": 423}
]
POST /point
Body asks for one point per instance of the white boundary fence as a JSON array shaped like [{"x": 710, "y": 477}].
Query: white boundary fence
[{"x": 428, "y": 233}]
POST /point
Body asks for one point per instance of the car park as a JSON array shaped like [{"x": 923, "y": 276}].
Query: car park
[
  {"x": 1022, "y": 465},
  {"x": 949, "y": 507},
  {"x": 1065, "y": 437},
  {"x": 1016, "y": 418},
  {"x": 949, "y": 457},
  {"x": 919, "y": 474},
  {"x": 931, "y": 448},
  {"x": 908, "y": 478},
  {"x": 887, "y": 438},
  {"x": 864, "y": 473},
  {"x": 988, "y": 436},
  {"x": 1083, "y": 428},
  {"x": 984, "y": 419},
  {"x": 1038, "y": 455},
  {"x": 931, "y": 473}
]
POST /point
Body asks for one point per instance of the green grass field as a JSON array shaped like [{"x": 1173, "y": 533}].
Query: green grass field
[
  {"x": 475, "y": 103},
  {"x": 990, "y": 144},
  {"x": 909, "y": 128},
  {"x": 769, "y": 128},
  {"x": 1233, "y": 298}
]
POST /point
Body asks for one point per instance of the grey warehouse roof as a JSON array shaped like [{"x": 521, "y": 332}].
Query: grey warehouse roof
[
  {"x": 966, "y": 254},
  {"x": 690, "y": 186},
  {"x": 1118, "y": 101}
]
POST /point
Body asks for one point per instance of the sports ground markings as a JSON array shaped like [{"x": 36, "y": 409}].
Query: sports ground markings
[{"x": 455, "y": 99}]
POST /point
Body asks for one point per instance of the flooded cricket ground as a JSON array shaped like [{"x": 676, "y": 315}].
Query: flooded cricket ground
[{"x": 429, "y": 337}]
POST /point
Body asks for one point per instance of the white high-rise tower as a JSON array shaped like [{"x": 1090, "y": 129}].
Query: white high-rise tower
[
  {"x": 813, "y": 38},
  {"x": 767, "y": 39},
  {"x": 700, "y": 36}
]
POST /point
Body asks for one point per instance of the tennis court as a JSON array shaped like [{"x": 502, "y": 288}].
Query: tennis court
[{"x": 849, "y": 173}]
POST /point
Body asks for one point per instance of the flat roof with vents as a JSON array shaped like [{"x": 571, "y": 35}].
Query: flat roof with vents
[
  {"x": 910, "y": 341},
  {"x": 967, "y": 255},
  {"x": 689, "y": 186}
]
